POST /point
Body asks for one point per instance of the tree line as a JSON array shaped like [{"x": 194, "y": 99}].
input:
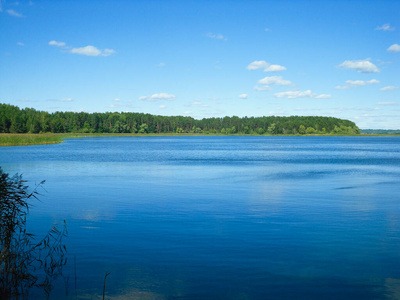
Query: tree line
[
  {"x": 381, "y": 131},
  {"x": 28, "y": 120}
]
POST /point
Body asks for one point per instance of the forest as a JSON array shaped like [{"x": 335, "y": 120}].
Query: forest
[
  {"x": 28, "y": 120},
  {"x": 381, "y": 131}
]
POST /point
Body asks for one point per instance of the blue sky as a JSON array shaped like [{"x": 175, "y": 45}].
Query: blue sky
[{"x": 205, "y": 58}]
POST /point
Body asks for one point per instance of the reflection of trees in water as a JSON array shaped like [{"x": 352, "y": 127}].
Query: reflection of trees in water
[{"x": 24, "y": 262}]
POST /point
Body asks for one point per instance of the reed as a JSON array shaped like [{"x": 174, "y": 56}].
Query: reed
[
  {"x": 23, "y": 139},
  {"x": 25, "y": 262}
]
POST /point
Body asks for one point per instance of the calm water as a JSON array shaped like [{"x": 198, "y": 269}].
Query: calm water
[{"x": 222, "y": 217}]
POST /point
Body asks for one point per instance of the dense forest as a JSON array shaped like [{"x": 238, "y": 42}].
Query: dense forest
[
  {"x": 381, "y": 131},
  {"x": 28, "y": 120}
]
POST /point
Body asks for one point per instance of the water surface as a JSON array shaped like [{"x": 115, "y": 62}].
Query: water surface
[{"x": 222, "y": 217}]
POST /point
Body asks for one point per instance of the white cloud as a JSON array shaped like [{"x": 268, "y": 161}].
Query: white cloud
[
  {"x": 389, "y": 88},
  {"x": 262, "y": 88},
  {"x": 356, "y": 83},
  {"x": 13, "y": 13},
  {"x": 108, "y": 52},
  {"x": 262, "y": 64},
  {"x": 88, "y": 50},
  {"x": 162, "y": 106},
  {"x": 323, "y": 96},
  {"x": 117, "y": 100},
  {"x": 275, "y": 68},
  {"x": 20, "y": 44},
  {"x": 187, "y": 112},
  {"x": 243, "y": 96},
  {"x": 387, "y": 103},
  {"x": 300, "y": 94},
  {"x": 362, "y": 66},
  {"x": 92, "y": 51},
  {"x": 216, "y": 36},
  {"x": 277, "y": 80},
  {"x": 67, "y": 100},
  {"x": 394, "y": 48},
  {"x": 161, "y": 64},
  {"x": 57, "y": 44},
  {"x": 258, "y": 64},
  {"x": 385, "y": 27},
  {"x": 267, "y": 29},
  {"x": 271, "y": 80},
  {"x": 160, "y": 96}
]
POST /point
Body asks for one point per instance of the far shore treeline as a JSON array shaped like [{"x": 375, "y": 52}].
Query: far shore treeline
[{"x": 28, "y": 120}]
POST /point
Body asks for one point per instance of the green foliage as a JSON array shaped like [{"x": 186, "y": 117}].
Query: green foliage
[
  {"x": 144, "y": 128},
  {"x": 302, "y": 129},
  {"x": 25, "y": 263},
  {"x": 381, "y": 131},
  {"x": 310, "y": 130},
  {"x": 16, "y": 120},
  {"x": 260, "y": 130},
  {"x": 272, "y": 128},
  {"x": 11, "y": 139}
]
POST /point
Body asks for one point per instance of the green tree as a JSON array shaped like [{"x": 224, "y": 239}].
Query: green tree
[
  {"x": 310, "y": 130},
  {"x": 260, "y": 130},
  {"x": 17, "y": 124},
  {"x": 15, "y": 120},
  {"x": 272, "y": 129},
  {"x": 144, "y": 128},
  {"x": 302, "y": 129}
]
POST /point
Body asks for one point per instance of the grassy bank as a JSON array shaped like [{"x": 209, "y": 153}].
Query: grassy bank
[{"x": 21, "y": 139}]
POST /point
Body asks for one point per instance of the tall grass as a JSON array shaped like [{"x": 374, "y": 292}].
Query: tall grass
[
  {"x": 21, "y": 139},
  {"x": 25, "y": 262}
]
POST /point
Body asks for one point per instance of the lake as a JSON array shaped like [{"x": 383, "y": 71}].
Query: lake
[{"x": 233, "y": 217}]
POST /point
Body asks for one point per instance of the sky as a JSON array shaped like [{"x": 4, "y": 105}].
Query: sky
[{"x": 205, "y": 58}]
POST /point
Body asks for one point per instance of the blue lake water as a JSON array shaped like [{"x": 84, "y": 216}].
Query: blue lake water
[{"x": 221, "y": 217}]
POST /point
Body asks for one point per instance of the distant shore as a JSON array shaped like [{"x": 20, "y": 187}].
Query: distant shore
[{"x": 27, "y": 139}]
